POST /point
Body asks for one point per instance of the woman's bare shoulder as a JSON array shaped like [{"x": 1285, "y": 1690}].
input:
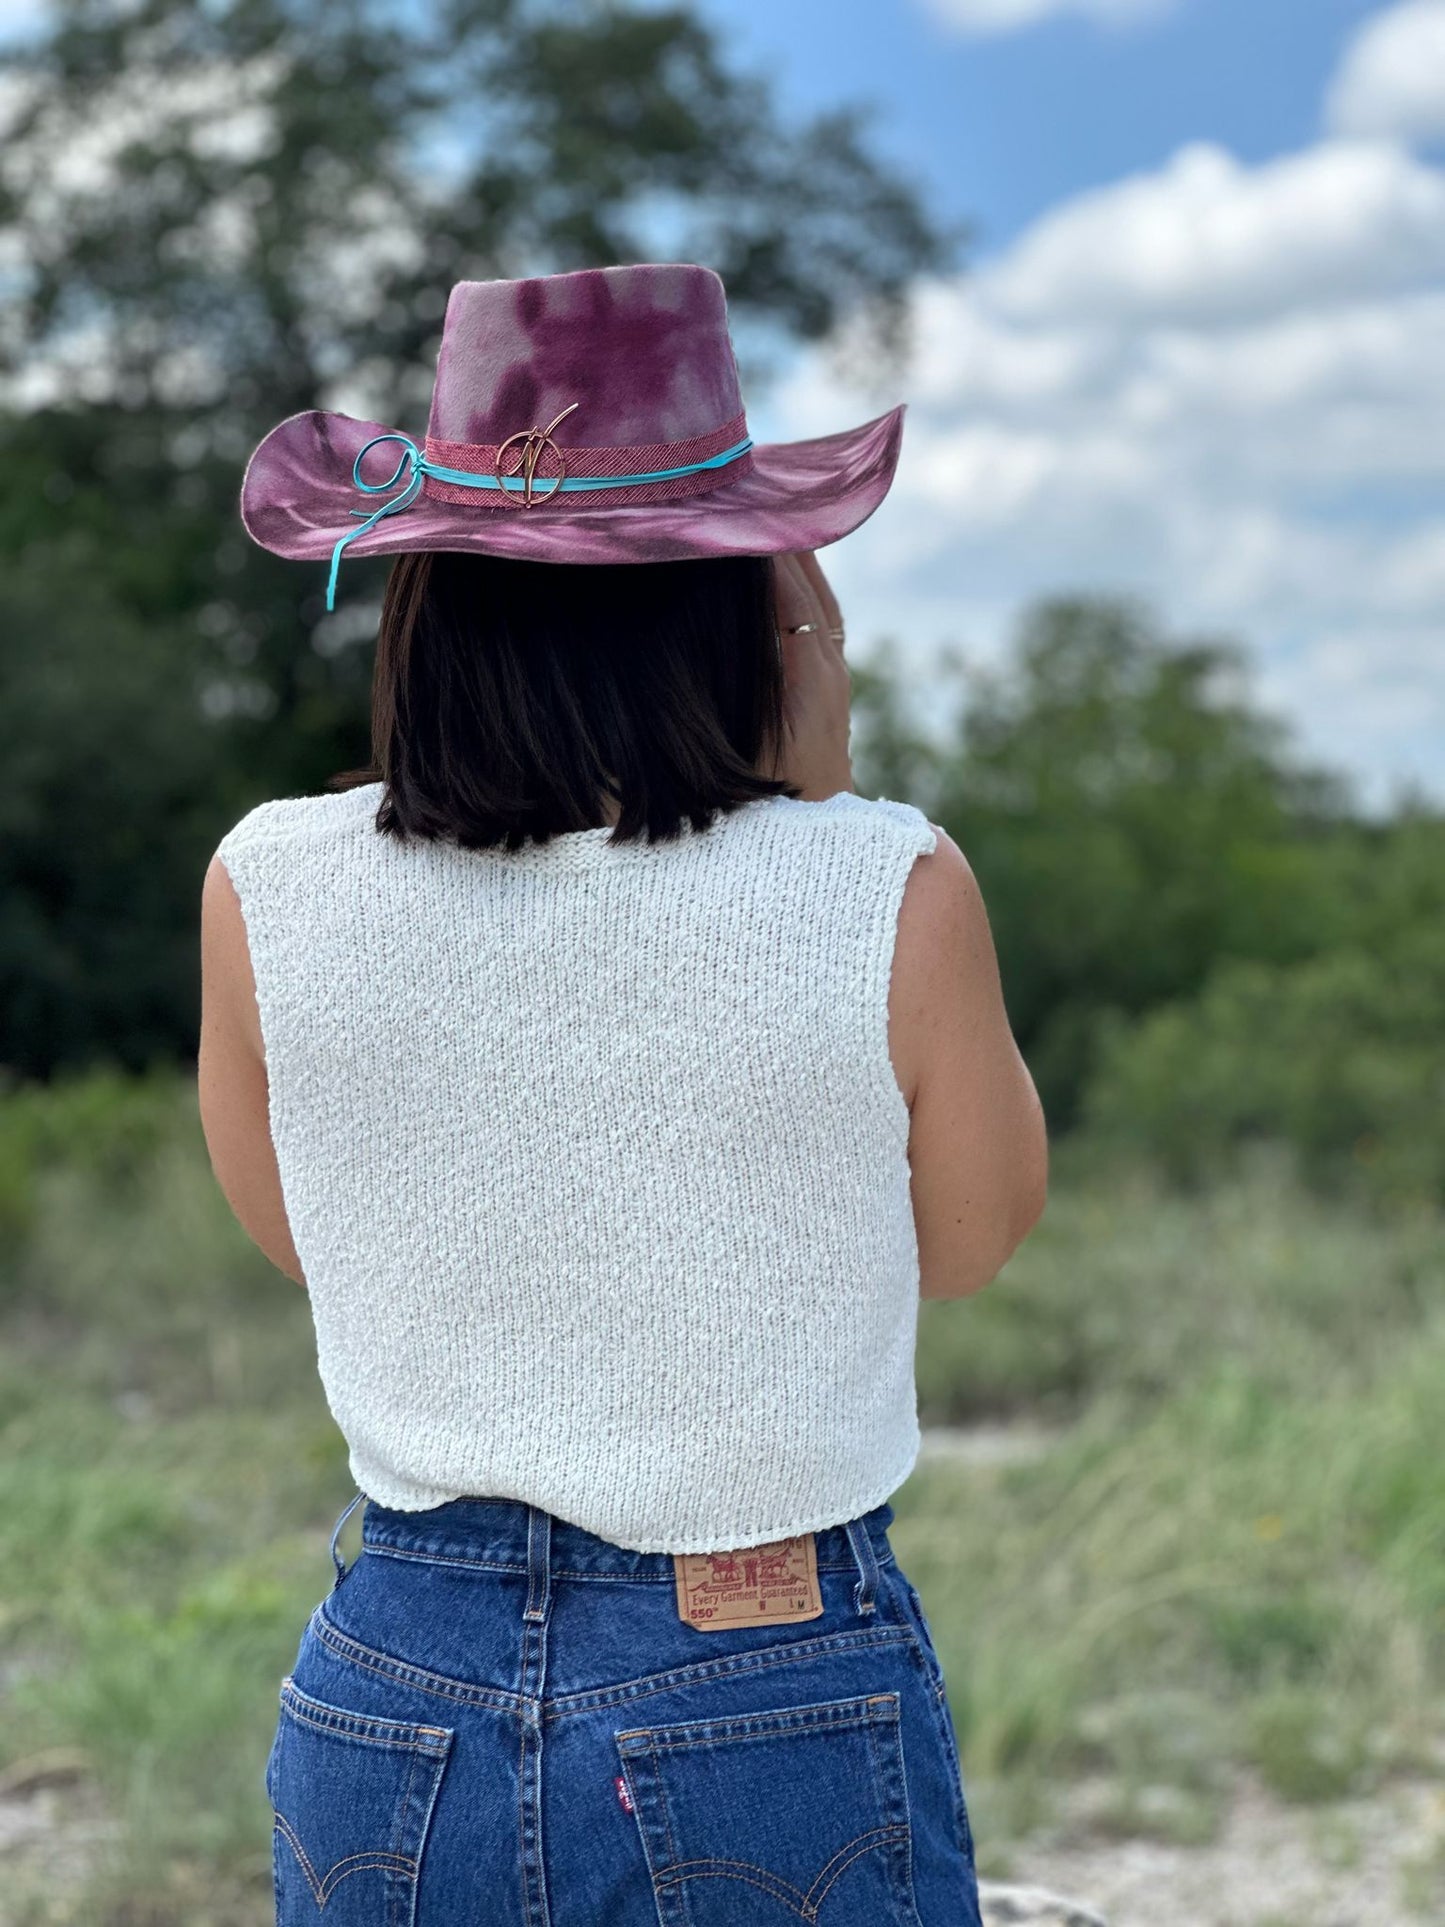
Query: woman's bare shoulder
[
  {"x": 943, "y": 959},
  {"x": 942, "y": 904}
]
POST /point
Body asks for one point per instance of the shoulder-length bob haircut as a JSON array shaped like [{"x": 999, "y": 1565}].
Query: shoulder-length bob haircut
[{"x": 511, "y": 699}]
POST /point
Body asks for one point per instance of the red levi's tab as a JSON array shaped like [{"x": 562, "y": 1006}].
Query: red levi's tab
[{"x": 774, "y": 1584}]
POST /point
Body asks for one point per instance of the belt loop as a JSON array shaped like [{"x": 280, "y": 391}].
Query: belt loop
[
  {"x": 862, "y": 1544},
  {"x": 342, "y": 1570},
  {"x": 539, "y": 1562}
]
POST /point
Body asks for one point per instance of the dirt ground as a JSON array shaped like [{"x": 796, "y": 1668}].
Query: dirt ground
[{"x": 1375, "y": 1862}]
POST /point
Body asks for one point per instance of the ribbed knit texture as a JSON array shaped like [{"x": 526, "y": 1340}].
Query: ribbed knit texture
[{"x": 595, "y": 1160}]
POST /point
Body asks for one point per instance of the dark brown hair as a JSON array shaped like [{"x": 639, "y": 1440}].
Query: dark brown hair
[{"x": 510, "y": 699}]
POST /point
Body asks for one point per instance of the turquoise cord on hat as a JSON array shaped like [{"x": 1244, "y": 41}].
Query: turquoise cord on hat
[{"x": 413, "y": 459}]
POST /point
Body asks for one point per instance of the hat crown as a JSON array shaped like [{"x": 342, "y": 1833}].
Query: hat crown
[{"x": 644, "y": 350}]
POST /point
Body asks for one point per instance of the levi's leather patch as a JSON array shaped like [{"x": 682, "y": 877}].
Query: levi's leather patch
[{"x": 774, "y": 1584}]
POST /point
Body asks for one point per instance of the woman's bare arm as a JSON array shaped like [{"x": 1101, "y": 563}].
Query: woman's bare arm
[
  {"x": 977, "y": 1144},
  {"x": 233, "y": 1089}
]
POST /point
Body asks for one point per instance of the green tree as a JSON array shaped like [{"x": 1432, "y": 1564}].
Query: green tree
[
  {"x": 1132, "y": 820},
  {"x": 212, "y": 216},
  {"x": 1340, "y": 1056},
  {"x": 891, "y": 756}
]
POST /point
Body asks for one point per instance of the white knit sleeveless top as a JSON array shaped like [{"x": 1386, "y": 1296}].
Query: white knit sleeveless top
[{"x": 595, "y": 1160}]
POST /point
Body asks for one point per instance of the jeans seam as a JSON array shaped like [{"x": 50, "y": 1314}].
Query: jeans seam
[
  {"x": 407, "y": 1734},
  {"x": 384, "y": 1551},
  {"x": 760, "y": 1659},
  {"x": 942, "y": 1719},
  {"x": 443, "y": 1686},
  {"x": 439, "y": 1685},
  {"x": 677, "y": 1736}
]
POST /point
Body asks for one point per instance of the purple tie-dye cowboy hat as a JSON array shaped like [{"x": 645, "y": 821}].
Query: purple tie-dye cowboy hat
[{"x": 587, "y": 417}]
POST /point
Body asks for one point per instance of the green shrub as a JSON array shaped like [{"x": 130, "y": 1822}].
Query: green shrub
[
  {"x": 103, "y": 1122},
  {"x": 1342, "y": 1058}
]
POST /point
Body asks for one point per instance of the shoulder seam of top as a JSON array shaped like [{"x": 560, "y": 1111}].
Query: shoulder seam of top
[
  {"x": 911, "y": 821},
  {"x": 281, "y": 816}
]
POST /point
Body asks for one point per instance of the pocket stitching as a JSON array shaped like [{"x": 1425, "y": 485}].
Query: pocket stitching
[
  {"x": 430, "y": 1744},
  {"x": 871, "y": 1834},
  {"x": 769, "y": 1885},
  {"x": 870, "y": 1712},
  {"x": 883, "y": 1836},
  {"x": 430, "y": 1748},
  {"x": 891, "y": 1770},
  {"x": 666, "y": 1810},
  {"x": 758, "y": 1659},
  {"x": 777, "y": 1721},
  {"x": 323, "y": 1889},
  {"x": 400, "y": 1821},
  {"x": 368, "y": 1728},
  {"x": 636, "y": 1809}
]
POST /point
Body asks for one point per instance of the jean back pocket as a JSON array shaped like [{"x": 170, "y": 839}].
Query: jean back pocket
[
  {"x": 761, "y": 1817},
  {"x": 352, "y": 1798}
]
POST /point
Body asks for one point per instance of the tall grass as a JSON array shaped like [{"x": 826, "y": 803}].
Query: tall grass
[{"x": 1234, "y": 1552}]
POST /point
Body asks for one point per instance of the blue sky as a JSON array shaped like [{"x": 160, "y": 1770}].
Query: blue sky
[
  {"x": 998, "y": 127},
  {"x": 1197, "y": 351}
]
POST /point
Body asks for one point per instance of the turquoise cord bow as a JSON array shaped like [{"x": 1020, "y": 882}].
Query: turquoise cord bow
[{"x": 414, "y": 460}]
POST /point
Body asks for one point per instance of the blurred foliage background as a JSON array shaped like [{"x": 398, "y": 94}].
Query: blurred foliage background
[{"x": 1225, "y": 1556}]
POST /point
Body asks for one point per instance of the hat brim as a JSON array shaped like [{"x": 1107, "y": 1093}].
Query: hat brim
[{"x": 298, "y": 495}]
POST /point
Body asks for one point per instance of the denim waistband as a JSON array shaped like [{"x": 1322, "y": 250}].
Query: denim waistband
[{"x": 510, "y": 1534}]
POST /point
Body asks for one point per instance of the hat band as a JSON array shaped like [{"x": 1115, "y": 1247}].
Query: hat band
[
  {"x": 585, "y": 471},
  {"x": 664, "y": 470}
]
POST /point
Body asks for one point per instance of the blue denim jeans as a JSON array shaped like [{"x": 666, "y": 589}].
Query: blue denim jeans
[{"x": 496, "y": 1719}]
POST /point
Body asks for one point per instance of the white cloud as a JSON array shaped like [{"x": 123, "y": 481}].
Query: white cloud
[
  {"x": 1212, "y": 386},
  {"x": 1210, "y": 239},
  {"x": 1391, "y": 80},
  {"x": 1008, "y": 16}
]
